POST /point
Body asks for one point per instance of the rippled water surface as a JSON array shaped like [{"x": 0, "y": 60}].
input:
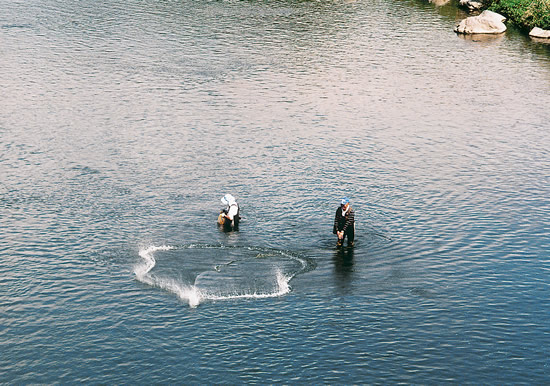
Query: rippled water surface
[{"x": 123, "y": 124}]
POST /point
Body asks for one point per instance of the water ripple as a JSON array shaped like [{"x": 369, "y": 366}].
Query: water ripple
[{"x": 123, "y": 123}]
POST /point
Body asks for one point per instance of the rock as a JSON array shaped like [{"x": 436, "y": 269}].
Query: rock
[
  {"x": 472, "y": 5},
  {"x": 484, "y": 38},
  {"x": 539, "y": 33},
  {"x": 440, "y": 3},
  {"x": 487, "y": 22}
]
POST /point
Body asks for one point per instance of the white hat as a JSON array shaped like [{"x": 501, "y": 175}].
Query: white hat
[{"x": 228, "y": 199}]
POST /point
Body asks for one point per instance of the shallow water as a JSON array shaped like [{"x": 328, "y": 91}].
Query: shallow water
[{"x": 123, "y": 124}]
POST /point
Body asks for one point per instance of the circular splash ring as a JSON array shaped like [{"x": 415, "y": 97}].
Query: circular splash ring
[{"x": 202, "y": 272}]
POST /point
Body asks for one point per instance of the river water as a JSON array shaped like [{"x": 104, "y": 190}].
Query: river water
[{"x": 123, "y": 123}]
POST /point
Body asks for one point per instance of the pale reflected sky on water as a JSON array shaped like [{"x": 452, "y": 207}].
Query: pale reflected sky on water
[{"x": 123, "y": 124}]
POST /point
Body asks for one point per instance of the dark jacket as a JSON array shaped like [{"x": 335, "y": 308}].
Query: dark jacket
[{"x": 343, "y": 223}]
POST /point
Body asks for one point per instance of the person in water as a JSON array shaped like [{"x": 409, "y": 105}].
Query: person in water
[
  {"x": 344, "y": 223},
  {"x": 229, "y": 216}
]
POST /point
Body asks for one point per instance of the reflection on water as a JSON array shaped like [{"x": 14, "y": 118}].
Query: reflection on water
[
  {"x": 122, "y": 121},
  {"x": 540, "y": 40},
  {"x": 483, "y": 38},
  {"x": 343, "y": 261}
]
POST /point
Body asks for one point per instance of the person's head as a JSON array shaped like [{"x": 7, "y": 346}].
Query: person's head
[
  {"x": 228, "y": 199},
  {"x": 345, "y": 203}
]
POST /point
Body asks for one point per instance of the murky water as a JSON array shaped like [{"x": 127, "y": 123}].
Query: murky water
[{"x": 123, "y": 124}]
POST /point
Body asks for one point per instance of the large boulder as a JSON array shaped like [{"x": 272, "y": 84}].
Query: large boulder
[
  {"x": 539, "y": 33},
  {"x": 487, "y": 22},
  {"x": 471, "y": 5}
]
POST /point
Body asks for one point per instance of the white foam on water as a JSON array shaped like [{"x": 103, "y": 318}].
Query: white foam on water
[
  {"x": 283, "y": 287},
  {"x": 283, "y": 282},
  {"x": 194, "y": 294},
  {"x": 148, "y": 255},
  {"x": 191, "y": 294}
]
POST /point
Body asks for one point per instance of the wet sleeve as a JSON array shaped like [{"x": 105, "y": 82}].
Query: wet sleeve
[
  {"x": 335, "y": 227},
  {"x": 233, "y": 210}
]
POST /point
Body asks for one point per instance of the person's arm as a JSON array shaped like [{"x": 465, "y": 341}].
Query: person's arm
[
  {"x": 233, "y": 210},
  {"x": 335, "y": 228}
]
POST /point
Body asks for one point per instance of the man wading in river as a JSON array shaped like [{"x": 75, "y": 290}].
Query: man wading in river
[{"x": 344, "y": 223}]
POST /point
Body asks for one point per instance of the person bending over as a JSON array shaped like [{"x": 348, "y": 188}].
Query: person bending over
[{"x": 229, "y": 217}]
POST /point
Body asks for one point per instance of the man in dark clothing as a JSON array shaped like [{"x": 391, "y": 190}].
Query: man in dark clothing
[{"x": 344, "y": 223}]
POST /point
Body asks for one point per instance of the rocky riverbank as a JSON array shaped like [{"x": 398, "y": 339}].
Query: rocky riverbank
[{"x": 530, "y": 15}]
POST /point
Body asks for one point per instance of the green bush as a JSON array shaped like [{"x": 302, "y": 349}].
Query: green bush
[{"x": 525, "y": 13}]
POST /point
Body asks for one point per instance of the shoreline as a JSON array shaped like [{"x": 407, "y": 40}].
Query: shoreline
[{"x": 523, "y": 14}]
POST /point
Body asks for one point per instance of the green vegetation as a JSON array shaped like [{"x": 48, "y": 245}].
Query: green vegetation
[{"x": 524, "y": 13}]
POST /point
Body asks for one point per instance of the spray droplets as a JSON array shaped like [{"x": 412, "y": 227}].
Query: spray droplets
[{"x": 197, "y": 273}]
